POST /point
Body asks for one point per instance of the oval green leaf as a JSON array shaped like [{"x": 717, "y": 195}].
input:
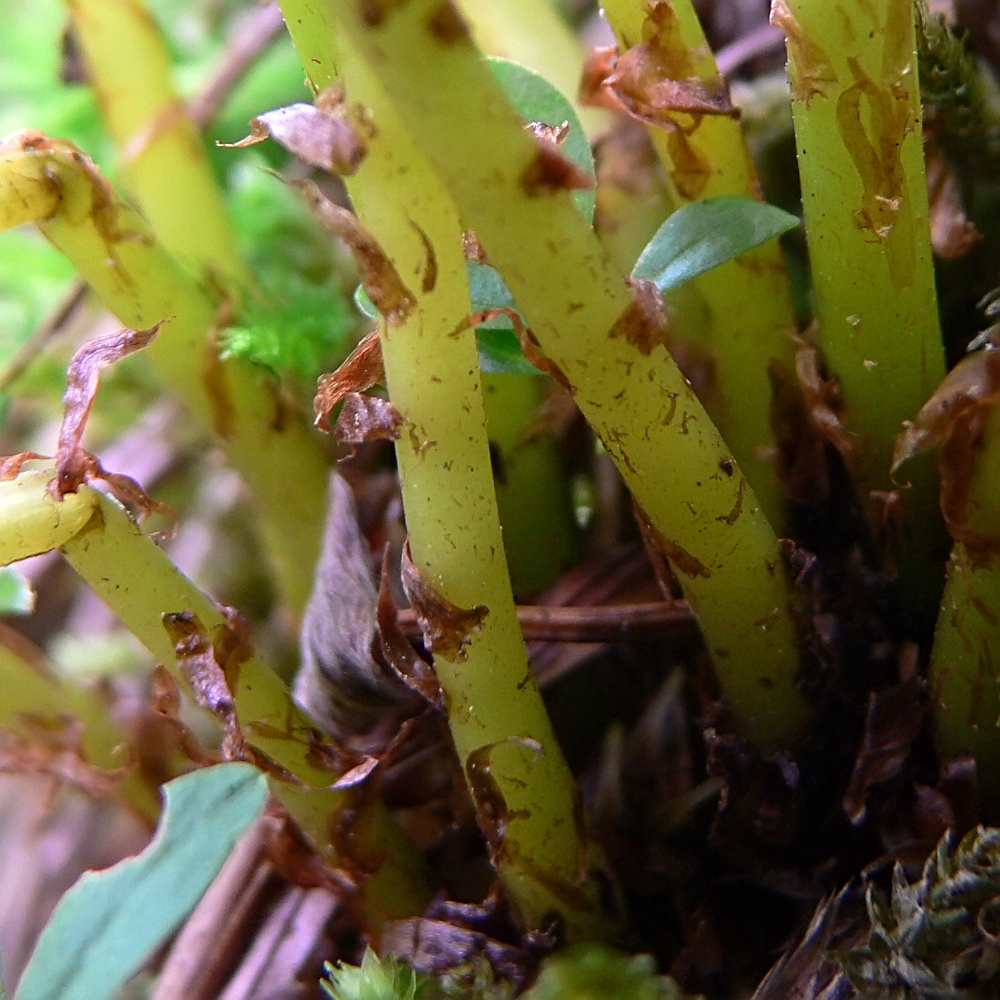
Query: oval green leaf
[
  {"x": 705, "y": 234},
  {"x": 537, "y": 100},
  {"x": 499, "y": 349},
  {"x": 109, "y": 922}
]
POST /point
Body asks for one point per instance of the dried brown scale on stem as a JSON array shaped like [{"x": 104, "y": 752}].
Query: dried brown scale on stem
[
  {"x": 412, "y": 669},
  {"x": 82, "y": 381},
  {"x": 655, "y": 80},
  {"x": 953, "y": 420},
  {"x": 75, "y": 466},
  {"x": 446, "y": 627},
  {"x": 379, "y": 277},
  {"x": 328, "y": 134},
  {"x": 367, "y": 418},
  {"x": 362, "y": 369}
]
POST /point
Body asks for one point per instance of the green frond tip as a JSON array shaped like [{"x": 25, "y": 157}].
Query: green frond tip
[
  {"x": 583, "y": 972},
  {"x": 594, "y": 972},
  {"x": 376, "y": 979}
]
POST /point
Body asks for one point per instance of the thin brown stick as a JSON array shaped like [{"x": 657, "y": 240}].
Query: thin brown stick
[
  {"x": 71, "y": 301},
  {"x": 246, "y": 44},
  {"x": 595, "y": 623}
]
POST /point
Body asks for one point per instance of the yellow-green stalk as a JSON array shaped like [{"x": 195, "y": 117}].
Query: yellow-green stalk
[
  {"x": 532, "y": 491},
  {"x": 33, "y": 523},
  {"x": 965, "y": 660},
  {"x": 534, "y": 33},
  {"x": 162, "y": 154},
  {"x": 53, "y": 184},
  {"x": 33, "y": 700},
  {"x": 742, "y": 313},
  {"x": 497, "y": 718},
  {"x": 666, "y": 447},
  {"x": 141, "y": 585},
  {"x": 856, "y": 104}
]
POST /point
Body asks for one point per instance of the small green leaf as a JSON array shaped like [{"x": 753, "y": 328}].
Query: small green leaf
[
  {"x": 705, "y": 234},
  {"x": 499, "y": 349},
  {"x": 109, "y": 922},
  {"x": 500, "y": 353},
  {"x": 487, "y": 290},
  {"x": 536, "y": 100},
  {"x": 365, "y": 305},
  {"x": 16, "y": 595}
]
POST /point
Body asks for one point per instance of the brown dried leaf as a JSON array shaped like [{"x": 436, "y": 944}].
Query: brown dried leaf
[
  {"x": 211, "y": 665},
  {"x": 162, "y": 733},
  {"x": 447, "y": 628},
  {"x": 895, "y": 717},
  {"x": 362, "y": 369},
  {"x": 10, "y": 467},
  {"x": 367, "y": 418},
  {"x": 491, "y": 806},
  {"x": 398, "y": 651},
  {"x": 322, "y": 135},
  {"x": 873, "y": 120},
  {"x": 357, "y": 774},
  {"x": 656, "y": 80},
  {"x": 128, "y": 492},
  {"x": 82, "y": 380},
  {"x": 379, "y": 276},
  {"x": 644, "y": 323},
  {"x": 822, "y": 398},
  {"x": 197, "y": 661},
  {"x": 953, "y": 419}
]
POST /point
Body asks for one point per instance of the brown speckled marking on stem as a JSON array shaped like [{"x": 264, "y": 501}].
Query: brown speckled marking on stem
[
  {"x": 733, "y": 516},
  {"x": 447, "y": 25},
  {"x": 374, "y": 12},
  {"x": 491, "y": 806},
  {"x": 680, "y": 558},
  {"x": 430, "y": 264},
  {"x": 644, "y": 324}
]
